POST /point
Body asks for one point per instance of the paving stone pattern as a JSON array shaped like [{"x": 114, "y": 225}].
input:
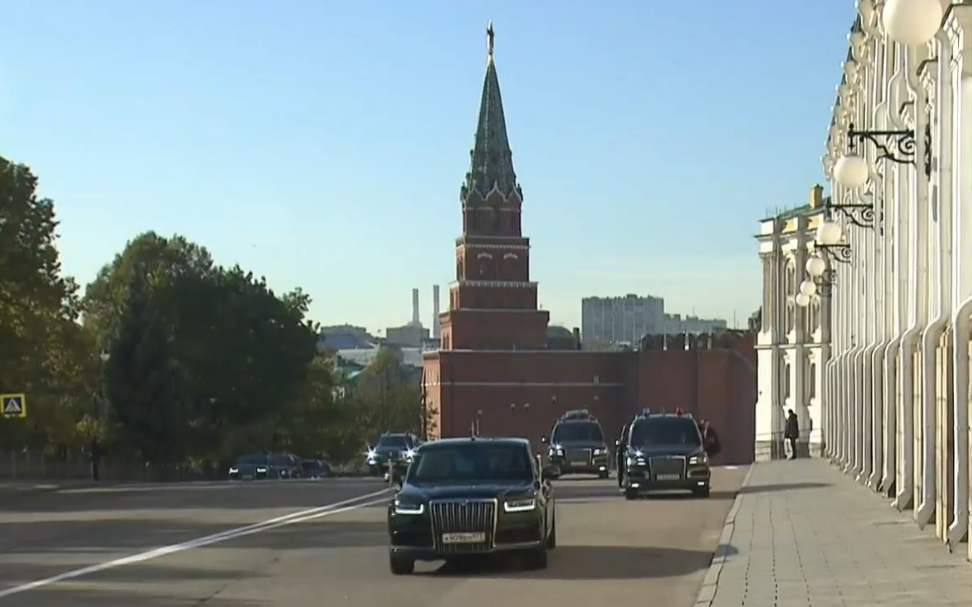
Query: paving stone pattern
[{"x": 805, "y": 535}]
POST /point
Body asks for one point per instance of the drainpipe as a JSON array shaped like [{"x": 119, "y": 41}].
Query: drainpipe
[
  {"x": 962, "y": 324},
  {"x": 880, "y": 294},
  {"x": 917, "y": 187},
  {"x": 929, "y": 343}
]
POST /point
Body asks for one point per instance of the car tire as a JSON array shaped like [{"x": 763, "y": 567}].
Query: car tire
[
  {"x": 551, "y": 541},
  {"x": 701, "y": 492},
  {"x": 400, "y": 565},
  {"x": 604, "y": 475},
  {"x": 630, "y": 494}
]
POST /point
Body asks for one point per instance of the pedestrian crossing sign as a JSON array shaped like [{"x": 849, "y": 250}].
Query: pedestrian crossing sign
[{"x": 13, "y": 405}]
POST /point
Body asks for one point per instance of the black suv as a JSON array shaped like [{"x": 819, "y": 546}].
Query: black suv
[
  {"x": 471, "y": 496},
  {"x": 661, "y": 451},
  {"x": 576, "y": 446},
  {"x": 395, "y": 448}
]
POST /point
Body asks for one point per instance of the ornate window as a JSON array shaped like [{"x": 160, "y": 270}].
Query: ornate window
[{"x": 790, "y": 290}]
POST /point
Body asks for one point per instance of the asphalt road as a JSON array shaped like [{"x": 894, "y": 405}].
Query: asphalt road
[{"x": 156, "y": 546}]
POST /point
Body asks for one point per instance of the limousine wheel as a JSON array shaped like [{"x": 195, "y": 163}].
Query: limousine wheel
[
  {"x": 552, "y": 537},
  {"x": 400, "y": 565}
]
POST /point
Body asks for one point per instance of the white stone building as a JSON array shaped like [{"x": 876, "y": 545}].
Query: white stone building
[
  {"x": 793, "y": 339},
  {"x": 896, "y": 383}
]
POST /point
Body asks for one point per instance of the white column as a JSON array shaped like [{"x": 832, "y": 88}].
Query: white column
[{"x": 956, "y": 84}]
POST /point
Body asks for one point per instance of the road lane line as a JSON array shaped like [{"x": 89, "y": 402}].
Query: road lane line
[{"x": 280, "y": 521}]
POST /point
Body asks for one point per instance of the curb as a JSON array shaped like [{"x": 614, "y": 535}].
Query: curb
[{"x": 710, "y": 584}]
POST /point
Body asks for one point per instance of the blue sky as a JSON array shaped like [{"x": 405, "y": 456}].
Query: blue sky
[{"x": 322, "y": 143}]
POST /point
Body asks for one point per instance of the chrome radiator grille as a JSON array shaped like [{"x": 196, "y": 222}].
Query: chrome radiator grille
[
  {"x": 464, "y": 516},
  {"x": 667, "y": 465},
  {"x": 579, "y": 456}
]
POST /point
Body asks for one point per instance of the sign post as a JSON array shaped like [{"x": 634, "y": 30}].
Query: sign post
[{"x": 13, "y": 405}]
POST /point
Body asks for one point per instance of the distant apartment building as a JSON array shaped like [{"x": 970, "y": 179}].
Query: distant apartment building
[
  {"x": 627, "y": 319},
  {"x": 621, "y": 319},
  {"x": 676, "y": 323}
]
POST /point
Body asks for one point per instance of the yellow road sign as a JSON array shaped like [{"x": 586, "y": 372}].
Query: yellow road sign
[{"x": 13, "y": 405}]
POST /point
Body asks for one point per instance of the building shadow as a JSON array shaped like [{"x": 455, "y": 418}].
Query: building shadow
[
  {"x": 50, "y": 596},
  {"x": 191, "y": 496},
  {"x": 586, "y": 563},
  {"x": 794, "y": 486}
]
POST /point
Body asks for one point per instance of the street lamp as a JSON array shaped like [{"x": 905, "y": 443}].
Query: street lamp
[
  {"x": 912, "y": 22},
  {"x": 851, "y": 170},
  {"x": 829, "y": 239},
  {"x": 821, "y": 278}
]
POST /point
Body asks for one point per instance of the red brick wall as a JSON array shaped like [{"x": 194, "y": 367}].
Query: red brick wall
[{"x": 719, "y": 385}]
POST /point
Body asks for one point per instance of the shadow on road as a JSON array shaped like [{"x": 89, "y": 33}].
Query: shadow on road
[
  {"x": 213, "y": 496},
  {"x": 115, "y": 585},
  {"x": 83, "y": 597},
  {"x": 795, "y": 486},
  {"x": 115, "y": 538},
  {"x": 588, "y": 563}
]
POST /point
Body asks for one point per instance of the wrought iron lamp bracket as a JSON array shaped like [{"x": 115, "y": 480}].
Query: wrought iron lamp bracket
[
  {"x": 896, "y": 146},
  {"x": 839, "y": 253},
  {"x": 826, "y": 282}
]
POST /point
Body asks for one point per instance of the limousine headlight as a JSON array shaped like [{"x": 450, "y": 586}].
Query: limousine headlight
[
  {"x": 409, "y": 508},
  {"x": 698, "y": 459},
  {"x": 522, "y": 504}
]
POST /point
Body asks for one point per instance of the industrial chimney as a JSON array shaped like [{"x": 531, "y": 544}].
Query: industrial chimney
[
  {"x": 415, "y": 308},
  {"x": 435, "y": 311}
]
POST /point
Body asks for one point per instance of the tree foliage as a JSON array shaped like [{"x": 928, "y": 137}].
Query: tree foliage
[{"x": 169, "y": 358}]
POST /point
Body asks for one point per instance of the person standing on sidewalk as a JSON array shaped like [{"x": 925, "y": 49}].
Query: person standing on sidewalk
[{"x": 792, "y": 432}]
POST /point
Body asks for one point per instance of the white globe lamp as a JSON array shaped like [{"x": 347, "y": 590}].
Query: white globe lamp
[
  {"x": 912, "y": 22},
  {"x": 851, "y": 170},
  {"x": 829, "y": 233},
  {"x": 808, "y": 288},
  {"x": 802, "y": 300},
  {"x": 816, "y": 266}
]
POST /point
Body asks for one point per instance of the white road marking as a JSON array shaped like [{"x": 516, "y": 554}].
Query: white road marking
[
  {"x": 280, "y": 521},
  {"x": 728, "y": 467}
]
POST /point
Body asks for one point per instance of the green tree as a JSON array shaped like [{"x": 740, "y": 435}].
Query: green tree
[
  {"x": 387, "y": 397},
  {"x": 139, "y": 381},
  {"x": 43, "y": 351}
]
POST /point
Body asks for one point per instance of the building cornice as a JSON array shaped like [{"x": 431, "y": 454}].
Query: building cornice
[
  {"x": 470, "y": 245},
  {"x": 494, "y": 283}
]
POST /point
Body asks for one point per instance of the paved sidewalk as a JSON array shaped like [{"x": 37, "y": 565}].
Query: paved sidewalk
[{"x": 803, "y": 534}]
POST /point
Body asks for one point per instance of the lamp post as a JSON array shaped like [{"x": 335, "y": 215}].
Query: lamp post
[
  {"x": 94, "y": 446},
  {"x": 829, "y": 241},
  {"x": 913, "y": 22}
]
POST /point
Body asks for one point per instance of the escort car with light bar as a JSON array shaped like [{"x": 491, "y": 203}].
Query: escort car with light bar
[
  {"x": 663, "y": 451},
  {"x": 576, "y": 446},
  {"x": 392, "y": 453},
  {"x": 472, "y": 496}
]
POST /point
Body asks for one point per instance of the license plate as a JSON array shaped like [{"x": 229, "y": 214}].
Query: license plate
[
  {"x": 668, "y": 477},
  {"x": 463, "y": 538}
]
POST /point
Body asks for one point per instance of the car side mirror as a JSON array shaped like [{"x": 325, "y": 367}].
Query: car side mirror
[{"x": 544, "y": 440}]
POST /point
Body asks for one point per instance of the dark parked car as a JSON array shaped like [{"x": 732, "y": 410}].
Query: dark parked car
[
  {"x": 471, "y": 496},
  {"x": 663, "y": 451},
  {"x": 315, "y": 468},
  {"x": 285, "y": 465},
  {"x": 249, "y": 468},
  {"x": 576, "y": 446}
]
